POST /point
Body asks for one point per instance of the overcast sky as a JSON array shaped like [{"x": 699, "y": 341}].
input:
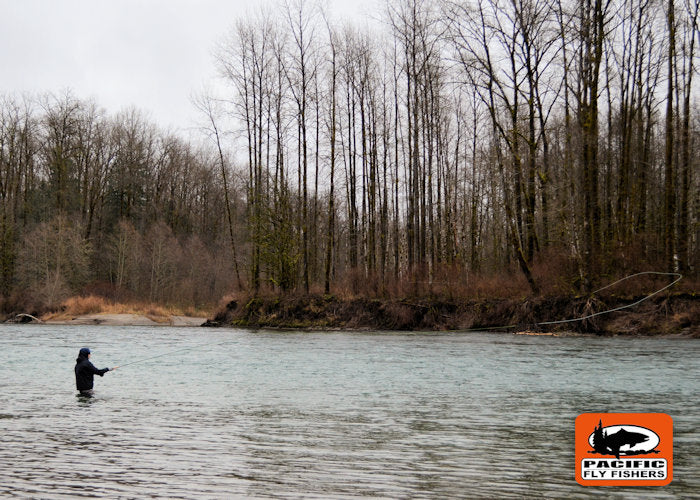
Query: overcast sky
[{"x": 152, "y": 54}]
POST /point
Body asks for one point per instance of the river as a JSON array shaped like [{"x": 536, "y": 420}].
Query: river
[{"x": 257, "y": 414}]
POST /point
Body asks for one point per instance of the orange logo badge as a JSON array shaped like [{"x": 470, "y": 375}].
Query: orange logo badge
[{"x": 624, "y": 449}]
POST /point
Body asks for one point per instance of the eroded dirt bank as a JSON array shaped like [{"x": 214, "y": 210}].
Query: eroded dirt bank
[{"x": 669, "y": 314}]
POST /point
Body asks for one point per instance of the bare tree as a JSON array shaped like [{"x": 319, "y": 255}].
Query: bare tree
[{"x": 207, "y": 105}]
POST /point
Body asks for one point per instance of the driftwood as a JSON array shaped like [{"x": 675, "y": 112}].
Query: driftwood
[{"x": 24, "y": 318}]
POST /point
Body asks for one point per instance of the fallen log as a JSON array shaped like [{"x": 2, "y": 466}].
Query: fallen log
[{"x": 24, "y": 318}]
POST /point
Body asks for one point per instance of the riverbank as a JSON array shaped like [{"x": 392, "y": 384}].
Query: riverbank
[
  {"x": 129, "y": 320},
  {"x": 94, "y": 310},
  {"x": 664, "y": 314},
  {"x": 107, "y": 319}
]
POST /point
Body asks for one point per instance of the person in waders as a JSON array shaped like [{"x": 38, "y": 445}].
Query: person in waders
[{"x": 85, "y": 372}]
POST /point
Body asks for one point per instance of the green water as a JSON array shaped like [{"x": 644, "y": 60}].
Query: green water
[{"x": 328, "y": 415}]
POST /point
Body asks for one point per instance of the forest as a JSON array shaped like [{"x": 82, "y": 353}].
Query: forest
[{"x": 453, "y": 148}]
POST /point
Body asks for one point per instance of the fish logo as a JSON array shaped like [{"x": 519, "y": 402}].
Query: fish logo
[
  {"x": 624, "y": 449},
  {"x": 625, "y": 440}
]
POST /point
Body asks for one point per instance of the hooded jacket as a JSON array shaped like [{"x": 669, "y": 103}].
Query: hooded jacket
[{"x": 85, "y": 372}]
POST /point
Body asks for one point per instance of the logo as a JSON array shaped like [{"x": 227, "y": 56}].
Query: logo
[{"x": 624, "y": 449}]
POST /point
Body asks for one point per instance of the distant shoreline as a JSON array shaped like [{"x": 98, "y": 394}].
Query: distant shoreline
[
  {"x": 675, "y": 315},
  {"x": 129, "y": 320},
  {"x": 108, "y": 319},
  {"x": 664, "y": 315}
]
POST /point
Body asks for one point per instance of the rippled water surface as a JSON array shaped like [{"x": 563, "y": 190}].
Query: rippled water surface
[{"x": 328, "y": 415}]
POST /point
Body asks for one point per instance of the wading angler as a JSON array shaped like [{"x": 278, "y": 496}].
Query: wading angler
[{"x": 85, "y": 372}]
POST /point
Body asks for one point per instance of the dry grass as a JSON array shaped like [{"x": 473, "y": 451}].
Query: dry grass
[{"x": 93, "y": 304}]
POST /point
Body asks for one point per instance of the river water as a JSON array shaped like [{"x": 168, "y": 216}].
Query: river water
[{"x": 258, "y": 414}]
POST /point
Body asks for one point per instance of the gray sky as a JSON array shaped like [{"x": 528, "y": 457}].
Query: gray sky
[{"x": 152, "y": 54}]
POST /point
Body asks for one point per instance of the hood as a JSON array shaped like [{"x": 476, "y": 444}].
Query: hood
[{"x": 83, "y": 354}]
